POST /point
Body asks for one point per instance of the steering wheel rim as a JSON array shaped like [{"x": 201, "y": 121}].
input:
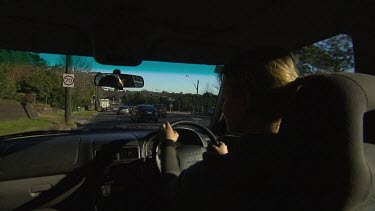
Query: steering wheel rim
[
  {"x": 210, "y": 134},
  {"x": 207, "y": 131}
]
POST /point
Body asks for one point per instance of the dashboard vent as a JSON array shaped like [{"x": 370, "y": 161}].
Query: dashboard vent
[
  {"x": 126, "y": 154},
  {"x": 129, "y": 153}
]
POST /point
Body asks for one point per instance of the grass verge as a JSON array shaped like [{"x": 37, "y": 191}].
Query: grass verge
[
  {"x": 23, "y": 125},
  {"x": 53, "y": 121}
]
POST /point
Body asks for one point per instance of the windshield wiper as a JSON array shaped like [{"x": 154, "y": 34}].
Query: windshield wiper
[
  {"x": 36, "y": 133},
  {"x": 61, "y": 132},
  {"x": 101, "y": 129}
]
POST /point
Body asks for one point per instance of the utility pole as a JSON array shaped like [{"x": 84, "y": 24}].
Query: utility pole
[
  {"x": 97, "y": 98},
  {"x": 197, "y": 96},
  {"x": 68, "y": 91},
  {"x": 195, "y": 107}
]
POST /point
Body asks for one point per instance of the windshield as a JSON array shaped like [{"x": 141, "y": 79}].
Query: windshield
[
  {"x": 159, "y": 106},
  {"x": 32, "y": 94},
  {"x": 146, "y": 108}
]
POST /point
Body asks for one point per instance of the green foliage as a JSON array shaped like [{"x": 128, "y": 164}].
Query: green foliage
[
  {"x": 341, "y": 49},
  {"x": 83, "y": 90},
  {"x": 19, "y": 57},
  {"x": 8, "y": 87},
  {"x": 25, "y": 75},
  {"x": 15, "y": 67},
  {"x": 57, "y": 94},
  {"x": 207, "y": 100},
  {"x": 84, "y": 87},
  {"x": 46, "y": 85},
  {"x": 138, "y": 98},
  {"x": 40, "y": 82},
  {"x": 332, "y": 55}
]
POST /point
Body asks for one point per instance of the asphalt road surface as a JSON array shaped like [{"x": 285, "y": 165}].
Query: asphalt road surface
[{"x": 110, "y": 120}]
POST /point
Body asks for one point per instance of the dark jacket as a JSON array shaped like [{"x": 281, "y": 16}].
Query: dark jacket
[{"x": 252, "y": 176}]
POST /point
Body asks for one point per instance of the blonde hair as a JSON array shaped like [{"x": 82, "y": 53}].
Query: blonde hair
[
  {"x": 282, "y": 70},
  {"x": 262, "y": 81},
  {"x": 260, "y": 75}
]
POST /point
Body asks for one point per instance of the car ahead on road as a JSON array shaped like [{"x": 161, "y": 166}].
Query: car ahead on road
[
  {"x": 321, "y": 166},
  {"x": 211, "y": 111},
  {"x": 131, "y": 109},
  {"x": 115, "y": 108},
  {"x": 123, "y": 110},
  {"x": 162, "y": 110},
  {"x": 144, "y": 112},
  {"x": 104, "y": 109}
]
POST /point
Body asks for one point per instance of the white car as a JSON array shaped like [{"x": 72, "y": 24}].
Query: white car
[
  {"x": 115, "y": 108},
  {"x": 123, "y": 110}
]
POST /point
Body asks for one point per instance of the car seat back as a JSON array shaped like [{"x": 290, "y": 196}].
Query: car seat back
[{"x": 331, "y": 159}]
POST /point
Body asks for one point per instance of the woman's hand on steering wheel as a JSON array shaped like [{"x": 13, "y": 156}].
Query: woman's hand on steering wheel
[
  {"x": 167, "y": 133},
  {"x": 222, "y": 149}
]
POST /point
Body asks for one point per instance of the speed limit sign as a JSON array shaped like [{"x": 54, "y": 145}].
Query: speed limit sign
[{"x": 68, "y": 80}]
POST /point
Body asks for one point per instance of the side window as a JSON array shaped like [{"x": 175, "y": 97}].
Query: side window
[{"x": 334, "y": 54}]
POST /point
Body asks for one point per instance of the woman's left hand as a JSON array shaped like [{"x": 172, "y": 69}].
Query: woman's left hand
[
  {"x": 168, "y": 133},
  {"x": 222, "y": 149}
]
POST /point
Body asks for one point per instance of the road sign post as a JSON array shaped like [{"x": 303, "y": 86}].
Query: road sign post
[{"x": 68, "y": 83}]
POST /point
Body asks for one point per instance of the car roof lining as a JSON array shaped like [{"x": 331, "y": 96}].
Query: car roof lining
[{"x": 125, "y": 33}]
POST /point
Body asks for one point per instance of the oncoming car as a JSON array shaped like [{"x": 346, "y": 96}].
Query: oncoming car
[{"x": 55, "y": 157}]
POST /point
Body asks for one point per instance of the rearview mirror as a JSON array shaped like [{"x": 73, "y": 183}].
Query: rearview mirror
[{"x": 118, "y": 81}]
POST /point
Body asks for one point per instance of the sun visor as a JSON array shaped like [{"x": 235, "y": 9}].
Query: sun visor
[{"x": 116, "y": 46}]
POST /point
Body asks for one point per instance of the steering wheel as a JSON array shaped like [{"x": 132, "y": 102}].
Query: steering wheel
[
  {"x": 208, "y": 132},
  {"x": 187, "y": 155}
]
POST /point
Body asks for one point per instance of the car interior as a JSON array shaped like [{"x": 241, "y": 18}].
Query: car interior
[{"x": 329, "y": 146}]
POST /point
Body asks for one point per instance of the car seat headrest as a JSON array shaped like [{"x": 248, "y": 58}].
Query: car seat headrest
[{"x": 324, "y": 133}]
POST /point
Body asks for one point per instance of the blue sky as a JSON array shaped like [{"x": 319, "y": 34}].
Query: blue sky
[{"x": 159, "y": 76}]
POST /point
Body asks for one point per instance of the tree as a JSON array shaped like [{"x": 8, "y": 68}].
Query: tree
[
  {"x": 41, "y": 82},
  {"x": 207, "y": 88},
  {"x": 82, "y": 64},
  {"x": 152, "y": 100},
  {"x": 219, "y": 80},
  {"x": 139, "y": 98},
  {"x": 331, "y": 55},
  {"x": 79, "y": 63},
  {"x": 16, "y": 67},
  {"x": 21, "y": 58},
  {"x": 84, "y": 87},
  {"x": 340, "y": 48},
  {"x": 208, "y": 100},
  {"x": 8, "y": 87},
  {"x": 57, "y": 96}
]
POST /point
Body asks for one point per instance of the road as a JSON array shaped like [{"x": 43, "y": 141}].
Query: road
[{"x": 111, "y": 120}]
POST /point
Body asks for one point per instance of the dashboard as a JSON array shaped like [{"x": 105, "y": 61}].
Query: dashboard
[
  {"x": 62, "y": 153},
  {"x": 123, "y": 160}
]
